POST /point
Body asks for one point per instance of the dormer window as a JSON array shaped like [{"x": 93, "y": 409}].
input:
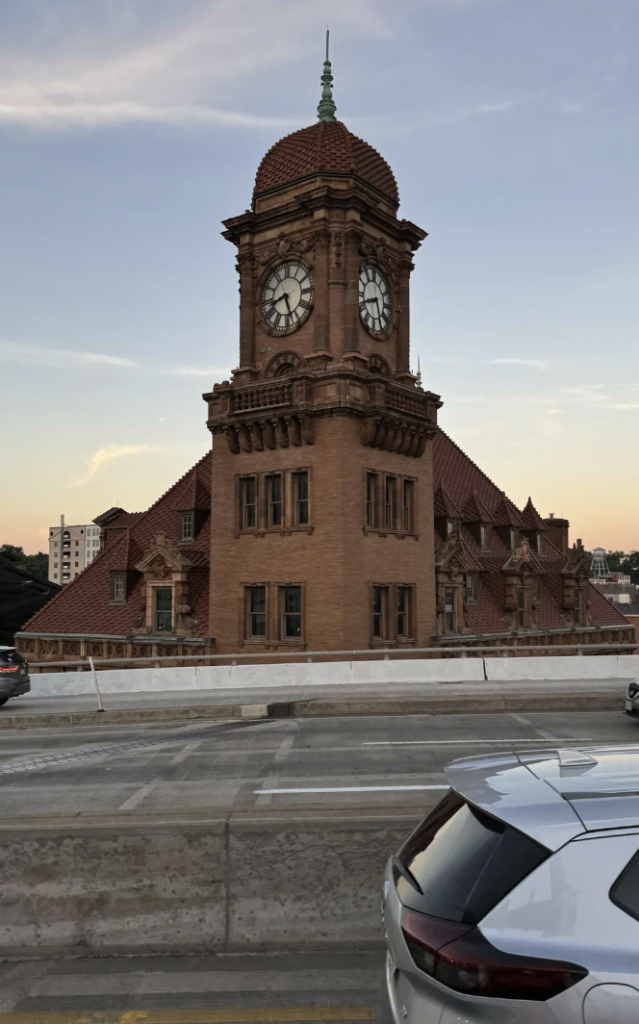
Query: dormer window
[
  {"x": 187, "y": 527},
  {"x": 451, "y": 527},
  {"x": 484, "y": 533},
  {"x": 538, "y": 544},
  {"x": 513, "y": 538},
  {"x": 118, "y": 588}
]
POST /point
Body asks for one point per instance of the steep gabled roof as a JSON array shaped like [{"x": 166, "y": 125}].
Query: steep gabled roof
[
  {"x": 444, "y": 506},
  {"x": 531, "y": 519},
  {"x": 83, "y": 606},
  {"x": 474, "y": 511},
  {"x": 506, "y": 514}
]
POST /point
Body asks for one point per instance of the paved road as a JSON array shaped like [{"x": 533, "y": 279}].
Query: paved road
[
  {"x": 222, "y": 989},
  {"x": 33, "y": 704},
  {"x": 229, "y": 766}
]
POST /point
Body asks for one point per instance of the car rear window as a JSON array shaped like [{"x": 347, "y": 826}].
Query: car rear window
[
  {"x": 9, "y": 656},
  {"x": 625, "y": 891},
  {"x": 463, "y": 861}
]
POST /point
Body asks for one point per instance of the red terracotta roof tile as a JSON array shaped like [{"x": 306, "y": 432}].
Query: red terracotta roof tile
[
  {"x": 324, "y": 148},
  {"x": 531, "y": 519}
]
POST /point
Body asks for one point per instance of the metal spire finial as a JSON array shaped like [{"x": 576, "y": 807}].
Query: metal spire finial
[{"x": 326, "y": 108}]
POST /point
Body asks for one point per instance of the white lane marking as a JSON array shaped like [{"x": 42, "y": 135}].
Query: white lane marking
[
  {"x": 137, "y": 797},
  {"x": 469, "y": 743},
  {"x": 347, "y": 789},
  {"x": 284, "y": 749},
  {"x": 540, "y": 732},
  {"x": 185, "y": 752}
]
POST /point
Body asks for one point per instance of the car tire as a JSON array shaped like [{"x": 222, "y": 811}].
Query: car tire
[{"x": 384, "y": 1014}]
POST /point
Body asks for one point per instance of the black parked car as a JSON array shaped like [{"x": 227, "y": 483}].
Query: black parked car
[{"x": 14, "y": 674}]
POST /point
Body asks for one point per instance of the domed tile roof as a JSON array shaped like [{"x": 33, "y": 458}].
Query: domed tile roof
[{"x": 326, "y": 148}]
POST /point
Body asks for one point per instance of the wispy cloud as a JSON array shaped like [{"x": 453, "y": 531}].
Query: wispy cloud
[
  {"x": 60, "y": 358},
  {"x": 215, "y": 372},
  {"x": 537, "y": 364},
  {"x": 109, "y": 62},
  {"x": 109, "y": 454}
]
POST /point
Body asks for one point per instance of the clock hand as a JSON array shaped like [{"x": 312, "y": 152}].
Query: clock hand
[{"x": 288, "y": 305}]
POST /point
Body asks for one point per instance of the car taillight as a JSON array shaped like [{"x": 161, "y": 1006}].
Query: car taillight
[
  {"x": 8, "y": 668},
  {"x": 458, "y": 956}
]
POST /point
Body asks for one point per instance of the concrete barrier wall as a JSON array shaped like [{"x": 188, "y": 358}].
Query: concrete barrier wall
[
  {"x": 238, "y": 677},
  {"x": 295, "y": 675},
  {"x": 607, "y": 666},
  {"x": 249, "y": 884}
]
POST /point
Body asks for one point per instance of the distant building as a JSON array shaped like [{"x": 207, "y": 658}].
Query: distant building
[{"x": 71, "y": 549}]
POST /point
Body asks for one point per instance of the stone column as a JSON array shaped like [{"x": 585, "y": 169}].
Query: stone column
[
  {"x": 247, "y": 318},
  {"x": 403, "y": 336},
  {"x": 320, "y": 299},
  {"x": 351, "y": 299},
  {"x": 336, "y": 285}
]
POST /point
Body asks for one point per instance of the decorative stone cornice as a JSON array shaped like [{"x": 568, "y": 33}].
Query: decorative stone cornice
[{"x": 280, "y": 412}]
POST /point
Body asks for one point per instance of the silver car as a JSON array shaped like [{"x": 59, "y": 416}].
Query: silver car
[{"x": 517, "y": 898}]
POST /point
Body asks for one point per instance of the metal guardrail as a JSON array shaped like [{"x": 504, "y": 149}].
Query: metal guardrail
[{"x": 384, "y": 653}]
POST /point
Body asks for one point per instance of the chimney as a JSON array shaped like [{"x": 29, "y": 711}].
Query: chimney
[{"x": 558, "y": 533}]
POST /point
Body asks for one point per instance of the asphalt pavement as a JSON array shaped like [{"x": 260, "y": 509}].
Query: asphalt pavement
[
  {"x": 33, "y": 704},
  {"x": 223, "y": 989},
  {"x": 225, "y": 767}
]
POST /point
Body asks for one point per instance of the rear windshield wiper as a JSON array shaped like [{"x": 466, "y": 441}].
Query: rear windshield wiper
[{"x": 407, "y": 874}]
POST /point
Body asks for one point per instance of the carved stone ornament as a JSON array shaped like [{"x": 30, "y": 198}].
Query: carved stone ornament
[
  {"x": 338, "y": 244},
  {"x": 163, "y": 558},
  {"x": 394, "y": 435},
  {"x": 286, "y": 246}
]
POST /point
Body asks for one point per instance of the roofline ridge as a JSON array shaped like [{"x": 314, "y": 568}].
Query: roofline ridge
[
  {"x": 172, "y": 487},
  {"x": 479, "y": 470}
]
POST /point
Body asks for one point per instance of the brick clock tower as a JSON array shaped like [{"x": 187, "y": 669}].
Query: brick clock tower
[{"x": 322, "y": 497}]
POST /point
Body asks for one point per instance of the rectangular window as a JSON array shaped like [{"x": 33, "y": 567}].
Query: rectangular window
[
  {"x": 521, "y": 609},
  {"x": 186, "y": 526},
  {"x": 408, "y": 510},
  {"x": 471, "y": 588},
  {"x": 248, "y": 503},
  {"x": 513, "y": 539},
  {"x": 450, "y": 611},
  {"x": 577, "y": 606},
  {"x": 379, "y": 613},
  {"x": 291, "y": 611},
  {"x": 274, "y": 500},
  {"x": 255, "y": 611},
  {"x": 77, "y": 564},
  {"x": 118, "y": 588},
  {"x": 372, "y": 497},
  {"x": 55, "y": 575},
  {"x": 538, "y": 543},
  {"x": 390, "y": 505},
  {"x": 55, "y": 565},
  {"x": 77, "y": 543},
  {"x": 451, "y": 526},
  {"x": 163, "y": 609},
  {"x": 404, "y": 595},
  {"x": 300, "y": 498},
  {"x": 484, "y": 534}
]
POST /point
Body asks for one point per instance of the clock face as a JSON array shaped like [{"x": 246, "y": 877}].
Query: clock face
[
  {"x": 287, "y": 296},
  {"x": 374, "y": 300}
]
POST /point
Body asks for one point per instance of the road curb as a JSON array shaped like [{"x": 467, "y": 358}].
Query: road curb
[{"x": 473, "y": 703}]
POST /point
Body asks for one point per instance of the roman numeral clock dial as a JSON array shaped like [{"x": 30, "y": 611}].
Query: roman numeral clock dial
[
  {"x": 374, "y": 300},
  {"x": 287, "y": 296}
]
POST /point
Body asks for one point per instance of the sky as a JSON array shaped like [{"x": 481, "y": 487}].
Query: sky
[{"x": 129, "y": 129}]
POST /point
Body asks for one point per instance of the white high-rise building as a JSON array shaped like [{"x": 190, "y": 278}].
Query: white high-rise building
[{"x": 71, "y": 549}]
